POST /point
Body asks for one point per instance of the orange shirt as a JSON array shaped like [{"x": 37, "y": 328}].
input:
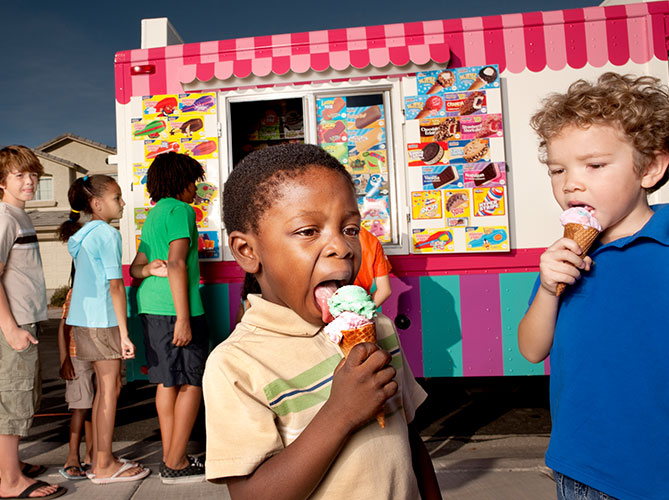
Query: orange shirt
[
  {"x": 66, "y": 310},
  {"x": 374, "y": 261}
]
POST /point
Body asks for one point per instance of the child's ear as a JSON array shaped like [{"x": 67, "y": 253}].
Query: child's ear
[
  {"x": 94, "y": 204},
  {"x": 655, "y": 170},
  {"x": 242, "y": 246}
]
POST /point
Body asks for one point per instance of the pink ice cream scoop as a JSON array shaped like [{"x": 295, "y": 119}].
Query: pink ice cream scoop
[
  {"x": 580, "y": 215},
  {"x": 582, "y": 227},
  {"x": 345, "y": 321}
]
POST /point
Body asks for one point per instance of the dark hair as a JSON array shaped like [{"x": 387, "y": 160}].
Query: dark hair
[
  {"x": 20, "y": 158},
  {"x": 638, "y": 106},
  {"x": 170, "y": 174},
  {"x": 250, "y": 285},
  {"x": 255, "y": 183},
  {"x": 80, "y": 194}
]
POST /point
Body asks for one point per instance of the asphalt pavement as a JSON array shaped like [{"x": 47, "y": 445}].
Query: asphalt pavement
[{"x": 486, "y": 438}]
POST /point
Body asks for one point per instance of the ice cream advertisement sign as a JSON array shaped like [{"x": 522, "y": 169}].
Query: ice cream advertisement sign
[{"x": 455, "y": 137}]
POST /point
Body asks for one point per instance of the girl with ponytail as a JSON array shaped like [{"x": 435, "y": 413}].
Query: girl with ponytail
[{"x": 98, "y": 312}]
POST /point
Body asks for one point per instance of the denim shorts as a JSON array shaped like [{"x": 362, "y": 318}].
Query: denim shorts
[
  {"x": 570, "y": 489},
  {"x": 20, "y": 386}
]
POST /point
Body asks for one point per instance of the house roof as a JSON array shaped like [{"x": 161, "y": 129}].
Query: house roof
[
  {"x": 54, "y": 218},
  {"x": 48, "y": 218},
  {"x": 73, "y": 137},
  {"x": 62, "y": 161}
]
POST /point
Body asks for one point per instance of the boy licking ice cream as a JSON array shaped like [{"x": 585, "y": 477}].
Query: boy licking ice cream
[{"x": 286, "y": 416}]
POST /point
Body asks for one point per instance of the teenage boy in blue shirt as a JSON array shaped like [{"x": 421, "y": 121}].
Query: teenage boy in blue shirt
[{"x": 606, "y": 147}]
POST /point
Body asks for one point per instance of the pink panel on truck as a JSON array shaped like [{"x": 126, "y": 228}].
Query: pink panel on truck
[
  {"x": 481, "y": 326},
  {"x": 405, "y": 300}
]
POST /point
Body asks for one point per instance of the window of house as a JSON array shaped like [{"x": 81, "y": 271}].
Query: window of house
[{"x": 44, "y": 189}]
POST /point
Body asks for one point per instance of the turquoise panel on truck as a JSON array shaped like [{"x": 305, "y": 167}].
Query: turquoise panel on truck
[
  {"x": 442, "y": 332},
  {"x": 515, "y": 289}
]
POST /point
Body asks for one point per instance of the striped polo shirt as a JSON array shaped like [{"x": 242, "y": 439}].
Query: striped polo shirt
[
  {"x": 266, "y": 382},
  {"x": 22, "y": 277}
]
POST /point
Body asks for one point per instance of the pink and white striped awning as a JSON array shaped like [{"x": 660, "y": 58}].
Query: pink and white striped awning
[{"x": 534, "y": 41}]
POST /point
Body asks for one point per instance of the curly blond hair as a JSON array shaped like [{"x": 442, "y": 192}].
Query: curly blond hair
[{"x": 638, "y": 106}]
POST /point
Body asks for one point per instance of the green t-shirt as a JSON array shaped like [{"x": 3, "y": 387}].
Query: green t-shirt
[{"x": 169, "y": 220}]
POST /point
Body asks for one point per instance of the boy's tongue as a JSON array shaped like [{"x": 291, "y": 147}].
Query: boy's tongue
[{"x": 322, "y": 293}]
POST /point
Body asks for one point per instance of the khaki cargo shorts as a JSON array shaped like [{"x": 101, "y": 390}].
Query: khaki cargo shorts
[
  {"x": 20, "y": 385},
  {"x": 80, "y": 392}
]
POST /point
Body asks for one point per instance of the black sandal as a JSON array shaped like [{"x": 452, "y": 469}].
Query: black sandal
[
  {"x": 35, "y": 486},
  {"x": 32, "y": 471}
]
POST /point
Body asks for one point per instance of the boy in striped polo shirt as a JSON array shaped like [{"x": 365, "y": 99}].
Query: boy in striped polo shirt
[
  {"x": 285, "y": 416},
  {"x": 22, "y": 307}
]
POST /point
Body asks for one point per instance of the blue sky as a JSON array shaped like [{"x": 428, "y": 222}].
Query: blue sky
[{"x": 58, "y": 57}]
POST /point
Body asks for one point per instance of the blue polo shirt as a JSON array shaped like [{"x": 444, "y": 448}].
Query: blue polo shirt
[{"x": 609, "y": 384}]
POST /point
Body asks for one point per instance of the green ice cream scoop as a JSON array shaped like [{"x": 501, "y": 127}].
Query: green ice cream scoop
[{"x": 354, "y": 299}]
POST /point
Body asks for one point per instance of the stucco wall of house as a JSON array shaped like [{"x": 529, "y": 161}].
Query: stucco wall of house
[
  {"x": 63, "y": 177},
  {"x": 56, "y": 260},
  {"x": 91, "y": 156}
]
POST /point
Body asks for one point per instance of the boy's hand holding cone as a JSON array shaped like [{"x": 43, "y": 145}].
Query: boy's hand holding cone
[
  {"x": 582, "y": 227},
  {"x": 353, "y": 311}
]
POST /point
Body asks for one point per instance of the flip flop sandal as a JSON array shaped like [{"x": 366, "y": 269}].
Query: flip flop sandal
[
  {"x": 38, "y": 484},
  {"x": 32, "y": 471},
  {"x": 118, "y": 478},
  {"x": 90, "y": 475},
  {"x": 65, "y": 472}
]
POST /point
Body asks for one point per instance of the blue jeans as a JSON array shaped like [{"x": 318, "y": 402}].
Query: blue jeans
[{"x": 570, "y": 489}]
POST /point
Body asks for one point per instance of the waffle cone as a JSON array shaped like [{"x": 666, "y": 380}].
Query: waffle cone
[
  {"x": 585, "y": 236},
  {"x": 477, "y": 84},
  {"x": 436, "y": 87},
  {"x": 423, "y": 113},
  {"x": 351, "y": 338}
]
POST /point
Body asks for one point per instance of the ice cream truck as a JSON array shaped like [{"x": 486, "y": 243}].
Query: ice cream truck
[{"x": 431, "y": 120}]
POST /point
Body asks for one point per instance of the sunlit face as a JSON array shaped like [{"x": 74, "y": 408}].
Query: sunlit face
[
  {"x": 594, "y": 168},
  {"x": 19, "y": 187},
  {"x": 308, "y": 236},
  {"x": 110, "y": 205}
]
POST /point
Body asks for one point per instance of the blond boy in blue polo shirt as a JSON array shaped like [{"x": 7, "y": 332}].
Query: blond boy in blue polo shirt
[{"x": 606, "y": 146}]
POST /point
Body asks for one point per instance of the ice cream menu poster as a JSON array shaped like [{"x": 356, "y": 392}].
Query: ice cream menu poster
[
  {"x": 183, "y": 123},
  {"x": 455, "y": 154},
  {"x": 352, "y": 129}
]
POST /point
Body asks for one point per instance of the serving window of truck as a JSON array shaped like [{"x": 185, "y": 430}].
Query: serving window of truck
[
  {"x": 432, "y": 121},
  {"x": 354, "y": 123}
]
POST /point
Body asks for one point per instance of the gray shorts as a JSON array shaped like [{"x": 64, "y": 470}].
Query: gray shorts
[
  {"x": 97, "y": 344},
  {"x": 80, "y": 392},
  {"x": 20, "y": 385}
]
